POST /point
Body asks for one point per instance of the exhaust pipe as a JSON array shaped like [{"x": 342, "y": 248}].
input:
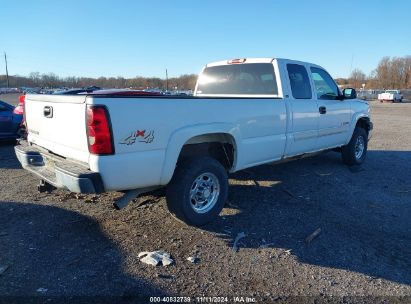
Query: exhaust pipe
[
  {"x": 126, "y": 198},
  {"x": 130, "y": 195}
]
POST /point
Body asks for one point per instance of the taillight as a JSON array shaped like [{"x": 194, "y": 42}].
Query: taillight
[
  {"x": 20, "y": 108},
  {"x": 99, "y": 131}
]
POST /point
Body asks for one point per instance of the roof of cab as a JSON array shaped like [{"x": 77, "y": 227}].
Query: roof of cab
[
  {"x": 246, "y": 60},
  {"x": 256, "y": 60}
]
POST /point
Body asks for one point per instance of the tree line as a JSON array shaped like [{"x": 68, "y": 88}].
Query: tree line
[
  {"x": 51, "y": 80},
  {"x": 391, "y": 73}
]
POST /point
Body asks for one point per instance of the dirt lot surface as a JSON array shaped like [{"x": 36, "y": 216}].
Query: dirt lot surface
[{"x": 58, "y": 246}]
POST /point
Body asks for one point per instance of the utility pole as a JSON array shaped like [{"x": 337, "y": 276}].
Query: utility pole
[
  {"x": 7, "y": 72},
  {"x": 166, "y": 80}
]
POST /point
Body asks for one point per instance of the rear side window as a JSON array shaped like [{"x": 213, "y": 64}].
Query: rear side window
[
  {"x": 325, "y": 86},
  {"x": 300, "y": 84},
  {"x": 249, "y": 78}
]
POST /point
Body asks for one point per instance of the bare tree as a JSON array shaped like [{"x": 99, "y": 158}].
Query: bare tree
[{"x": 357, "y": 78}]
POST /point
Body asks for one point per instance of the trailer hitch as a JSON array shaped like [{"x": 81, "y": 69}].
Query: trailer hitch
[{"x": 45, "y": 187}]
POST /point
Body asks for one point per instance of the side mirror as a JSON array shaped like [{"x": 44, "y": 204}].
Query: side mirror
[{"x": 349, "y": 93}]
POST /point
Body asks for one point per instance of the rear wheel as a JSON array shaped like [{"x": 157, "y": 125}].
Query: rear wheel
[
  {"x": 355, "y": 151},
  {"x": 198, "y": 190}
]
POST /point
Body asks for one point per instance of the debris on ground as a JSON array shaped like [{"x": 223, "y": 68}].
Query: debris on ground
[
  {"x": 92, "y": 199},
  {"x": 165, "y": 276},
  {"x": 230, "y": 204},
  {"x": 3, "y": 269},
  {"x": 148, "y": 202},
  {"x": 323, "y": 174},
  {"x": 193, "y": 259},
  {"x": 356, "y": 169},
  {"x": 313, "y": 235},
  {"x": 75, "y": 261},
  {"x": 42, "y": 290},
  {"x": 266, "y": 245},
  {"x": 156, "y": 257},
  {"x": 63, "y": 197},
  {"x": 291, "y": 194},
  {"x": 237, "y": 239}
]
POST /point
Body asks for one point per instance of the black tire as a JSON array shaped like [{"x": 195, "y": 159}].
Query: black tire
[
  {"x": 179, "y": 200},
  {"x": 348, "y": 152},
  {"x": 21, "y": 132}
]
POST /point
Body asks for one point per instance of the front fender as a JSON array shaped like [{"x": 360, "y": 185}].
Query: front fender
[
  {"x": 356, "y": 117},
  {"x": 179, "y": 137}
]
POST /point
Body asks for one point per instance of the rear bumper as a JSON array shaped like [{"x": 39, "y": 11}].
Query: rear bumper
[{"x": 59, "y": 172}]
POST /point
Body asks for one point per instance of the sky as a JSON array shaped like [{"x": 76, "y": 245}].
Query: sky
[{"x": 142, "y": 38}]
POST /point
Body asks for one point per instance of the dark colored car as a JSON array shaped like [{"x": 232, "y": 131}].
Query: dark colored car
[{"x": 11, "y": 120}]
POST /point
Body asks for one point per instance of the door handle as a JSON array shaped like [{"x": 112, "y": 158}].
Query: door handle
[{"x": 322, "y": 110}]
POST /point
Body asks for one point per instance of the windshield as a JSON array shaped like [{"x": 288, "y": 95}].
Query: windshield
[{"x": 250, "y": 78}]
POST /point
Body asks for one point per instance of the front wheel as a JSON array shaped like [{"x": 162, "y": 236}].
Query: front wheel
[
  {"x": 355, "y": 151},
  {"x": 198, "y": 190}
]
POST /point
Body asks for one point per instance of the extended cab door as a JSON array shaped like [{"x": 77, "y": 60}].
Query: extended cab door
[
  {"x": 304, "y": 115},
  {"x": 334, "y": 120}
]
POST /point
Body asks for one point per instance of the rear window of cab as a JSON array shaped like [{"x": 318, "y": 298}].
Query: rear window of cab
[{"x": 235, "y": 79}]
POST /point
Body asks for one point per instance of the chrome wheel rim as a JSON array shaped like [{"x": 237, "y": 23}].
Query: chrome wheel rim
[
  {"x": 359, "y": 147},
  {"x": 204, "y": 192}
]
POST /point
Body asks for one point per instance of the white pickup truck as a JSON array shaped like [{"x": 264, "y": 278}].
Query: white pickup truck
[
  {"x": 390, "y": 95},
  {"x": 244, "y": 113}
]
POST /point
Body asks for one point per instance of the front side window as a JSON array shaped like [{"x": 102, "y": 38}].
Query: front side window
[
  {"x": 249, "y": 78},
  {"x": 299, "y": 82},
  {"x": 325, "y": 86}
]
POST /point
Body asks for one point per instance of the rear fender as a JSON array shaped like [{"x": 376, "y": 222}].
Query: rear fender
[{"x": 182, "y": 136}]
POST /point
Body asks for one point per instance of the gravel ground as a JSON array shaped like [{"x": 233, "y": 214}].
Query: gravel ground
[{"x": 60, "y": 246}]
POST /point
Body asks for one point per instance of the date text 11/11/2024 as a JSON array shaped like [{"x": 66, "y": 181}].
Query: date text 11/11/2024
[{"x": 203, "y": 299}]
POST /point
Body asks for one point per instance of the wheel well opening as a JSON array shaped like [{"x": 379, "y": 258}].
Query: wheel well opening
[
  {"x": 364, "y": 123},
  {"x": 221, "y": 150}
]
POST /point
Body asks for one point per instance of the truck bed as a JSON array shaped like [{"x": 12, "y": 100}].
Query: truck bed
[{"x": 148, "y": 130}]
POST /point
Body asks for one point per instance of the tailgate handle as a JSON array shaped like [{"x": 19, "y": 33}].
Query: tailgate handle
[{"x": 48, "y": 111}]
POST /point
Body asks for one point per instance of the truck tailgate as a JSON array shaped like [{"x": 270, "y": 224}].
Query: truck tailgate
[{"x": 58, "y": 124}]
